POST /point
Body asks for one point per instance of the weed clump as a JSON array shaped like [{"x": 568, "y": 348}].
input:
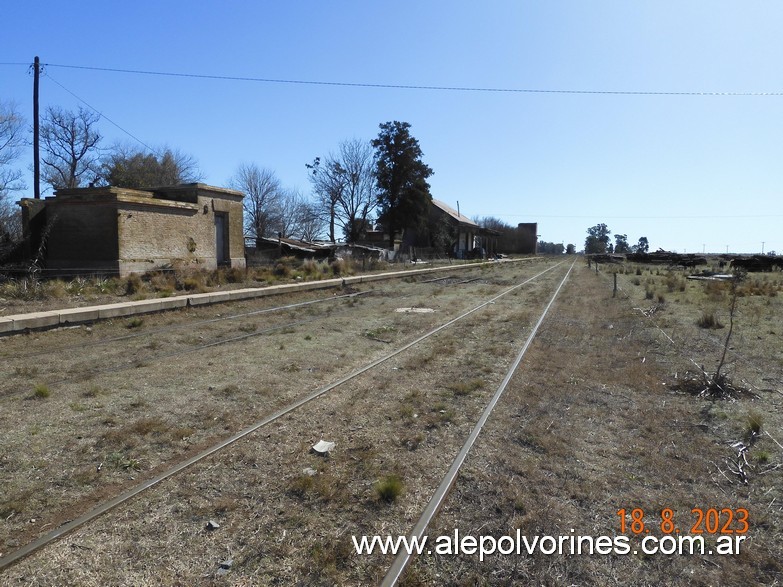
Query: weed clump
[
  {"x": 389, "y": 488},
  {"x": 753, "y": 424},
  {"x": 133, "y": 284},
  {"x": 282, "y": 270},
  {"x": 134, "y": 322},
  {"x": 708, "y": 320},
  {"x": 466, "y": 387},
  {"x": 42, "y": 391}
]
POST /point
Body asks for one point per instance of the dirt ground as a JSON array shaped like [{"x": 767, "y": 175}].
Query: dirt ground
[{"x": 592, "y": 423}]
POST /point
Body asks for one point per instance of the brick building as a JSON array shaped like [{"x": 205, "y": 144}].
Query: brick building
[{"x": 122, "y": 231}]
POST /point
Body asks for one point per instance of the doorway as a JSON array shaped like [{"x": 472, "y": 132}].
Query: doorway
[{"x": 221, "y": 238}]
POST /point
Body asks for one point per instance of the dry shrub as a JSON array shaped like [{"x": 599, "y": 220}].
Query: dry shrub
[
  {"x": 147, "y": 426},
  {"x": 128, "y": 436},
  {"x": 322, "y": 486},
  {"x": 757, "y": 287},
  {"x": 282, "y": 270},
  {"x": 59, "y": 289},
  {"x": 708, "y": 320},
  {"x": 235, "y": 275},
  {"x": 465, "y": 387},
  {"x": 337, "y": 267},
  {"x": 715, "y": 290},
  {"x": 162, "y": 282},
  {"x": 310, "y": 268},
  {"x": 341, "y": 267},
  {"x": 133, "y": 284},
  {"x": 191, "y": 281}
]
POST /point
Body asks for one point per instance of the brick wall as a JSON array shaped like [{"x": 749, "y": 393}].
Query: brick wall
[
  {"x": 82, "y": 236},
  {"x": 121, "y": 230}
]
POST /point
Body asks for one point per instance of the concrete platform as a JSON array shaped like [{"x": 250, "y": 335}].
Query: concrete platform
[
  {"x": 51, "y": 319},
  {"x": 6, "y": 325}
]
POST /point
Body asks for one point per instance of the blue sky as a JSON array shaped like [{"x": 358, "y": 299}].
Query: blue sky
[{"x": 689, "y": 172}]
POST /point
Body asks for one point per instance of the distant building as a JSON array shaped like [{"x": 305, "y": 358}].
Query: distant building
[
  {"x": 447, "y": 232},
  {"x": 527, "y": 238},
  {"x": 122, "y": 231}
]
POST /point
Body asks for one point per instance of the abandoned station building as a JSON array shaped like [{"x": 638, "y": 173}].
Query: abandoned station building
[{"x": 123, "y": 231}]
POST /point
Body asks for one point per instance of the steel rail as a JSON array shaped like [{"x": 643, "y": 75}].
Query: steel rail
[
  {"x": 106, "y": 506},
  {"x": 403, "y": 557},
  {"x": 188, "y": 325},
  {"x": 132, "y": 364}
]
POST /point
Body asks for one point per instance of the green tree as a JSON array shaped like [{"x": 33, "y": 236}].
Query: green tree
[
  {"x": 570, "y": 249},
  {"x": 597, "y": 240},
  {"x": 401, "y": 178},
  {"x": 643, "y": 245},
  {"x": 443, "y": 234},
  {"x": 621, "y": 244},
  {"x": 129, "y": 168},
  {"x": 546, "y": 248}
]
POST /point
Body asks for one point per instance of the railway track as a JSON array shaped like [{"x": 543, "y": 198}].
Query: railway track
[
  {"x": 289, "y": 408},
  {"x": 122, "y": 363},
  {"x": 436, "y": 501},
  {"x": 12, "y": 360}
]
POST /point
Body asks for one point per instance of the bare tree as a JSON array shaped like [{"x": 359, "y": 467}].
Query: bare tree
[
  {"x": 345, "y": 187},
  {"x": 328, "y": 182},
  {"x": 262, "y": 199},
  {"x": 312, "y": 223},
  {"x": 292, "y": 214},
  {"x": 12, "y": 140},
  {"x": 70, "y": 144},
  {"x": 129, "y": 167},
  {"x": 359, "y": 198}
]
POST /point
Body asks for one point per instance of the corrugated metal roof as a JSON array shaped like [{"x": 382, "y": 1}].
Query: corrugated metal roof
[{"x": 461, "y": 218}]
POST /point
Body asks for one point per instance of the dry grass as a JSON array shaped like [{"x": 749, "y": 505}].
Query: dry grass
[
  {"x": 587, "y": 427},
  {"x": 35, "y": 294}
]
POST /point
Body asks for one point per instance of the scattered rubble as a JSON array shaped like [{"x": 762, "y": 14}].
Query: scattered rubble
[
  {"x": 225, "y": 566},
  {"x": 323, "y": 447}
]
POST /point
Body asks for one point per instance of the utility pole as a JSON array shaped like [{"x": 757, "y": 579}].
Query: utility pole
[{"x": 36, "y": 132}]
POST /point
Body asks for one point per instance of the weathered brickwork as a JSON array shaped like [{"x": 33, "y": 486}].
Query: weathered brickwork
[{"x": 126, "y": 231}]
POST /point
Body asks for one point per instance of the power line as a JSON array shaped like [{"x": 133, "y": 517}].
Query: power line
[
  {"x": 669, "y": 217},
  {"x": 408, "y": 86},
  {"x": 131, "y": 135}
]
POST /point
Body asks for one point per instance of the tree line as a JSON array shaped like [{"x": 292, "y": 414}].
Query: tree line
[
  {"x": 361, "y": 182},
  {"x": 511, "y": 239},
  {"x": 599, "y": 242},
  {"x": 358, "y": 185}
]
